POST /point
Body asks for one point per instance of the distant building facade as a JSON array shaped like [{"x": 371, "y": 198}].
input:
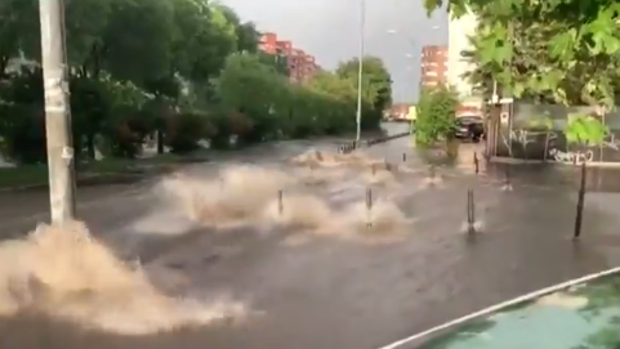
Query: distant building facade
[
  {"x": 301, "y": 66},
  {"x": 434, "y": 69}
]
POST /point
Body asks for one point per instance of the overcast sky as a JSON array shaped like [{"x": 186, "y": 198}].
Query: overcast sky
[{"x": 330, "y": 30}]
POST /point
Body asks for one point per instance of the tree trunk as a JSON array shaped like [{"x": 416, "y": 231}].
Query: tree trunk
[
  {"x": 546, "y": 147},
  {"x": 90, "y": 146},
  {"x": 580, "y": 202}
]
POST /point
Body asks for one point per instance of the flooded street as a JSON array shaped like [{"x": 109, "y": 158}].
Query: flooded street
[{"x": 306, "y": 272}]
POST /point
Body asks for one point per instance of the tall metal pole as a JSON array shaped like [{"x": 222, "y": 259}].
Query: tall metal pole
[
  {"x": 360, "y": 71},
  {"x": 57, "y": 112}
]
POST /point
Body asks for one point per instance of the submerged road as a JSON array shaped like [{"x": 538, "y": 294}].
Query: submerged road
[{"x": 322, "y": 291}]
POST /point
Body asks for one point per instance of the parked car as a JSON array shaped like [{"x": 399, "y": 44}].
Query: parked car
[{"x": 470, "y": 127}]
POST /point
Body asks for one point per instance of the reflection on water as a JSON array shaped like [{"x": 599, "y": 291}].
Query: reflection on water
[{"x": 580, "y": 317}]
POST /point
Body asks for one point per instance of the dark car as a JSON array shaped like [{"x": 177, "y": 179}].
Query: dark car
[{"x": 470, "y": 127}]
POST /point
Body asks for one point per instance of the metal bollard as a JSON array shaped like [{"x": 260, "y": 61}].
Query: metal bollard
[
  {"x": 404, "y": 157},
  {"x": 471, "y": 212},
  {"x": 374, "y": 169},
  {"x": 476, "y": 162},
  {"x": 581, "y": 195},
  {"x": 280, "y": 202},
  {"x": 369, "y": 205},
  {"x": 387, "y": 166}
]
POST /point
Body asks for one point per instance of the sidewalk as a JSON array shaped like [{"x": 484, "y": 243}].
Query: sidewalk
[{"x": 19, "y": 205}]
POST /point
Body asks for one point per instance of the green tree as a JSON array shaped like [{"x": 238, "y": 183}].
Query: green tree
[
  {"x": 17, "y": 27},
  {"x": 581, "y": 44},
  {"x": 278, "y": 61},
  {"x": 376, "y": 87},
  {"x": 339, "y": 96},
  {"x": 247, "y": 36},
  {"x": 436, "y": 116},
  {"x": 184, "y": 69},
  {"x": 248, "y": 86}
]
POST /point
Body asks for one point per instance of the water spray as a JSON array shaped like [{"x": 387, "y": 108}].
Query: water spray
[
  {"x": 369, "y": 205},
  {"x": 280, "y": 202},
  {"x": 319, "y": 155},
  {"x": 471, "y": 212}
]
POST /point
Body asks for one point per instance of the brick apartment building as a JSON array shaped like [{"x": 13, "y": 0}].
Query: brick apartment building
[
  {"x": 434, "y": 70},
  {"x": 301, "y": 65}
]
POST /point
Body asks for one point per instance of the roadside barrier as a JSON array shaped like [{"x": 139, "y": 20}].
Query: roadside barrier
[{"x": 351, "y": 146}]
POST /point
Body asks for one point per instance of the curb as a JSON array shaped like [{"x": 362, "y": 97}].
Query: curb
[
  {"x": 515, "y": 161},
  {"x": 387, "y": 138},
  {"x": 92, "y": 181},
  {"x": 130, "y": 176},
  {"x": 351, "y": 146}
]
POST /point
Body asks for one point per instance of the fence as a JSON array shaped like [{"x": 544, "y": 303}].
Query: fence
[{"x": 522, "y": 134}]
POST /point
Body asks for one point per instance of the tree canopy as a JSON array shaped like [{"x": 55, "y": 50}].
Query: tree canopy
[
  {"x": 376, "y": 84},
  {"x": 186, "y": 70},
  {"x": 563, "y": 50}
]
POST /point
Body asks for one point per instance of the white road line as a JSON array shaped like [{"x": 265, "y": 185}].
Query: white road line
[{"x": 498, "y": 307}]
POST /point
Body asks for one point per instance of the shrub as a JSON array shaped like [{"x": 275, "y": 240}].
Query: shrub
[
  {"x": 436, "y": 114},
  {"x": 185, "y": 130}
]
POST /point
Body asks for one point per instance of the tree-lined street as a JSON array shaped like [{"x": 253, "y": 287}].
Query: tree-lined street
[
  {"x": 183, "y": 73},
  {"x": 318, "y": 249}
]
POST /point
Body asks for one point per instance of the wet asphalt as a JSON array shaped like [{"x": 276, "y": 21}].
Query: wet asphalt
[{"x": 322, "y": 292}]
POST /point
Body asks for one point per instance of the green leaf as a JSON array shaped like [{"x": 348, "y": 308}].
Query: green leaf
[
  {"x": 585, "y": 129},
  {"x": 561, "y": 45}
]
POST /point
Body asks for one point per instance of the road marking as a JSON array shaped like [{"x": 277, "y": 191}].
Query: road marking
[{"x": 498, "y": 307}]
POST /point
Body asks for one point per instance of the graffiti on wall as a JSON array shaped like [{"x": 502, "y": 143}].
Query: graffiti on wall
[{"x": 519, "y": 139}]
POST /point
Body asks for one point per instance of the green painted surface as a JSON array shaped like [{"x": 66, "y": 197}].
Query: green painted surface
[{"x": 584, "y": 317}]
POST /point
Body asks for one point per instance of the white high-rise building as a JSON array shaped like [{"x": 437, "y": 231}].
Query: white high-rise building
[{"x": 459, "y": 31}]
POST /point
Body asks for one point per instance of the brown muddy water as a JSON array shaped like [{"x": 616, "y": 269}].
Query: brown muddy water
[{"x": 280, "y": 251}]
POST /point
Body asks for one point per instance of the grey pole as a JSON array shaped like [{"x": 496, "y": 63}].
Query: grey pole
[
  {"x": 57, "y": 111},
  {"x": 360, "y": 71}
]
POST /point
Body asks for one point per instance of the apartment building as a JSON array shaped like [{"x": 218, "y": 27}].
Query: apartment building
[
  {"x": 301, "y": 66},
  {"x": 434, "y": 70}
]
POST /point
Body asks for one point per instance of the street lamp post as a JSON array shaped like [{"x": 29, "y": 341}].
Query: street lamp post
[{"x": 360, "y": 72}]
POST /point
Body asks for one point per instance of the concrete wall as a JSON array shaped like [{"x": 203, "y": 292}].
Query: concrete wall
[{"x": 520, "y": 138}]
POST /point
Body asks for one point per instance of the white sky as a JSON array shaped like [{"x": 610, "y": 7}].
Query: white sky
[{"x": 330, "y": 30}]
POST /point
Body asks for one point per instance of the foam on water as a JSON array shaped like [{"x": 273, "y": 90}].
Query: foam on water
[
  {"x": 66, "y": 273},
  {"x": 250, "y": 196},
  {"x": 236, "y": 196}
]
